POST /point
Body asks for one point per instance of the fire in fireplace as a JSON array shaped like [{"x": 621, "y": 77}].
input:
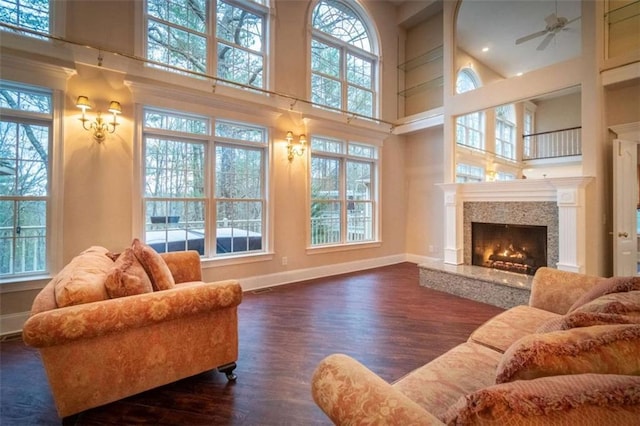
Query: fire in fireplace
[{"x": 514, "y": 248}]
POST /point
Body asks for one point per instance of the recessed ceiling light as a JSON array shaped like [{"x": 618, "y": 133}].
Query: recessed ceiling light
[
  {"x": 519, "y": 74},
  {"x": 485, "y": 49}
]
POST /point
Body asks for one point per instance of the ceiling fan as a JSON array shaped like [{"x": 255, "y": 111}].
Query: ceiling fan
[{"x": 554, "y": 24}]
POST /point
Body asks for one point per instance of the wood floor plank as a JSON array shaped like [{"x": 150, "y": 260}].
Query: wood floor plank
[{"x": 382, "y": 317}]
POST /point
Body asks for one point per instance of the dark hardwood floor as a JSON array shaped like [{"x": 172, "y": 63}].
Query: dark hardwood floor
[{"x": 382, "y": 317}]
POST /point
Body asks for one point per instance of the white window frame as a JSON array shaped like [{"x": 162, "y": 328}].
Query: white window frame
[
  {"x": 210, "y": 141},
  {"x": 343, "y": 157},
  {"x": 52, "y": 84},
  {"x": 257, "y": 7},
  {"x": 502, "y": 123},
  {"x": 347, "y": 49}
]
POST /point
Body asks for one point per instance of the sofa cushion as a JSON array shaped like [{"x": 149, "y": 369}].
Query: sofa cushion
[
  {"x": 607, "y": 286},
  {"x": 438, "y": 384},
  {"x": 626, "y": 303},
  {"x": 576, "y": 399},
  {"x": 505, "y": 328},
  {"x": 154, "y": 264},
  {"x": 127, "y": 277},
  {"x": 82, "y": 279},
  {"x": 605, "y": 349},
  {"x": 586, "y": 319}
]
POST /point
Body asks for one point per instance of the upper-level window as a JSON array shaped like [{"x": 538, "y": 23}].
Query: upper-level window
[
  {"x": 29, "y": 14},
  {"x": 467, "y": 80},
  {"x": 26, "y": 119},
  {"x": 469, "y": 173},
  {"x": 187, "y": 208},
  {"x": 343, "y": 58},
  {"x": 343, "y": 191},
  {"x": 223, "y": 38},
  {"x": 506, "y": 132}
]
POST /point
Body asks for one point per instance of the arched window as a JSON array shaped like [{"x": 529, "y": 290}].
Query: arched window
[
  {"x": 469, "y": 128},
  {"x": 343, "y": 58},
  {"x": 467, "y": 80},
  {"x": 506, "y": 131}
]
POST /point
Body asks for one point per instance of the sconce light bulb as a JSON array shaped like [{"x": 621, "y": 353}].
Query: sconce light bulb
[
  {"x": 115, "y": 108},
  {"x": 83, "y": 103}
]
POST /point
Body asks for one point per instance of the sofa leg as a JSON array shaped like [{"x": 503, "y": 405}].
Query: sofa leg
[{"x": 228, "y": 370}]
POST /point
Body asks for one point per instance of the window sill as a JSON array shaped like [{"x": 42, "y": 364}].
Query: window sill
[
  {"x": 211, "y": 262},
  {"x": 343, "y": 247},
  {"x": 32, "y": 282}
]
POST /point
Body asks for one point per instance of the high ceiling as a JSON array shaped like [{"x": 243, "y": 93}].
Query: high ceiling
[{"x": 497, "y": 24}]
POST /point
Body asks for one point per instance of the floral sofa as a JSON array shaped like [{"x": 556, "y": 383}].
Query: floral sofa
[
  {"x": 572, "y": 356},
  {"x": 112, "y": 325}
]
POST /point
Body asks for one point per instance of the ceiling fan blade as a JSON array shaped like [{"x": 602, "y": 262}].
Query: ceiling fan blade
[
  {"x": 551, "y": 20},
  {"x": 573, "y": 20},
  {"x": 530, "y": 37},
  {"x": 543, "y": 45}
]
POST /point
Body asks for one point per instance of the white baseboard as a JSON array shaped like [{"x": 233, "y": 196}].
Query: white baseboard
[
  {"x": 12, "y": 323},
  {"x": 288, "y": 277}
]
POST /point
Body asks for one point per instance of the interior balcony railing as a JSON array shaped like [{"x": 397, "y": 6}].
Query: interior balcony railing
[{"x": 553, "y": 144}]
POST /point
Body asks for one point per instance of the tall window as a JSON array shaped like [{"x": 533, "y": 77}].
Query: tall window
[
  {"x": 185, "y": 211},
  {"x": 25, "y": 167},
  {"x": 29, "y": 14},
  {"x": 470, "y": 127},
  {"x": 343, "y": 60},
  {"x": 225, "y": 38},
  {"x": 506, "y": 132},
  {"x": 343, "y": 191}
]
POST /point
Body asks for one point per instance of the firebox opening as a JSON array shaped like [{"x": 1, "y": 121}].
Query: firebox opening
[{"x": 514, "y": 248}]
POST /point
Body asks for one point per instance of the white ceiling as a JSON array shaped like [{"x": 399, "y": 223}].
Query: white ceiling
[{"x": 497, "y": 24}]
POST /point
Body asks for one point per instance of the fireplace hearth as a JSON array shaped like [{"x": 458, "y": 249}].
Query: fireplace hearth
[{"x": 509, "y": 247}]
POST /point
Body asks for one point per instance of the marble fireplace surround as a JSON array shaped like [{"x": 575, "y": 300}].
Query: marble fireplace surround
[{"x": 558, "y": 203}]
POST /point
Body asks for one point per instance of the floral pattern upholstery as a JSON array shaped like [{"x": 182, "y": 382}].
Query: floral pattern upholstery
[
  {"x": 99, "y": 352},
  {"x": 459, "y": 386}
]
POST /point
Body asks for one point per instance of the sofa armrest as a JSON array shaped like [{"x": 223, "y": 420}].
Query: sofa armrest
[
  {"x": 350, "y": 394},
  {"x": 184, "y": 265},
  {"x": 85, "y": 321},
  {"x": 555, "y": 290}
]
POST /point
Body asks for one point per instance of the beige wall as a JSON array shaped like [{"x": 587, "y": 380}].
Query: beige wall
[{"x": 98, "y": 190}]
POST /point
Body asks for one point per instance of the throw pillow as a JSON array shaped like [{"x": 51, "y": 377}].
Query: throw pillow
[
  {"x": 127, "y": 277},
  {"x": 82, "y": 279},
  {"x": 627, "y": 303},
  {"x": 598, "y": 398},
  {"x": 605, "y": 349},
  {"x": 586, "y": 319},
  {"x": 607, "y": 286},
  {"x": 154, "y": 264}
]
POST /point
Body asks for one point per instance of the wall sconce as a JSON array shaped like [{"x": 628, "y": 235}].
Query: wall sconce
[
  {"x": 291, "y": 150},
  {"x": 99, "y": 127}
]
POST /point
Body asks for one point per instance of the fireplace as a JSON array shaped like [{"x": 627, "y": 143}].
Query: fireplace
[{"x": 509, "y": 247}]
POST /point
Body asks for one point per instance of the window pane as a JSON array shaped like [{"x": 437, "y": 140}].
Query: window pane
[
  {"x": 359, "y": 71},
  {"x": 239, "y": 226},
  {"x": 240, "y": 66},
  {"x": 325, "y": 178},
  {"x": 340, "y": 21},
  {"x": 176, "y": 47},
  {"x": 365, "y": 151},
  {"x": 359, "y": 221},
  {"x": 173, "y": 168},
  {"x": 175, "y": 225},
  {"x": 191, "y": 14},
  {"x": 22, "y": 99},
  {"x": 29, "y": 14},
  {"x": 23, "y": 159},
  {"x": 327, "y": 145},
  {"x": 238, "y": 172},
  {"x": 360, "y": 101},
  {"x": 325, "y": 59},
  {"x": 240, "y": 132},
  {"x": 325, "y": 91},
  {"x": 358, "y": 181},
  {"x": 7, "y": 235},
  {"x": 325, "y": 222},
  {"x": 175, "y": 122},
  {"x": 239, "y": 27}
]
